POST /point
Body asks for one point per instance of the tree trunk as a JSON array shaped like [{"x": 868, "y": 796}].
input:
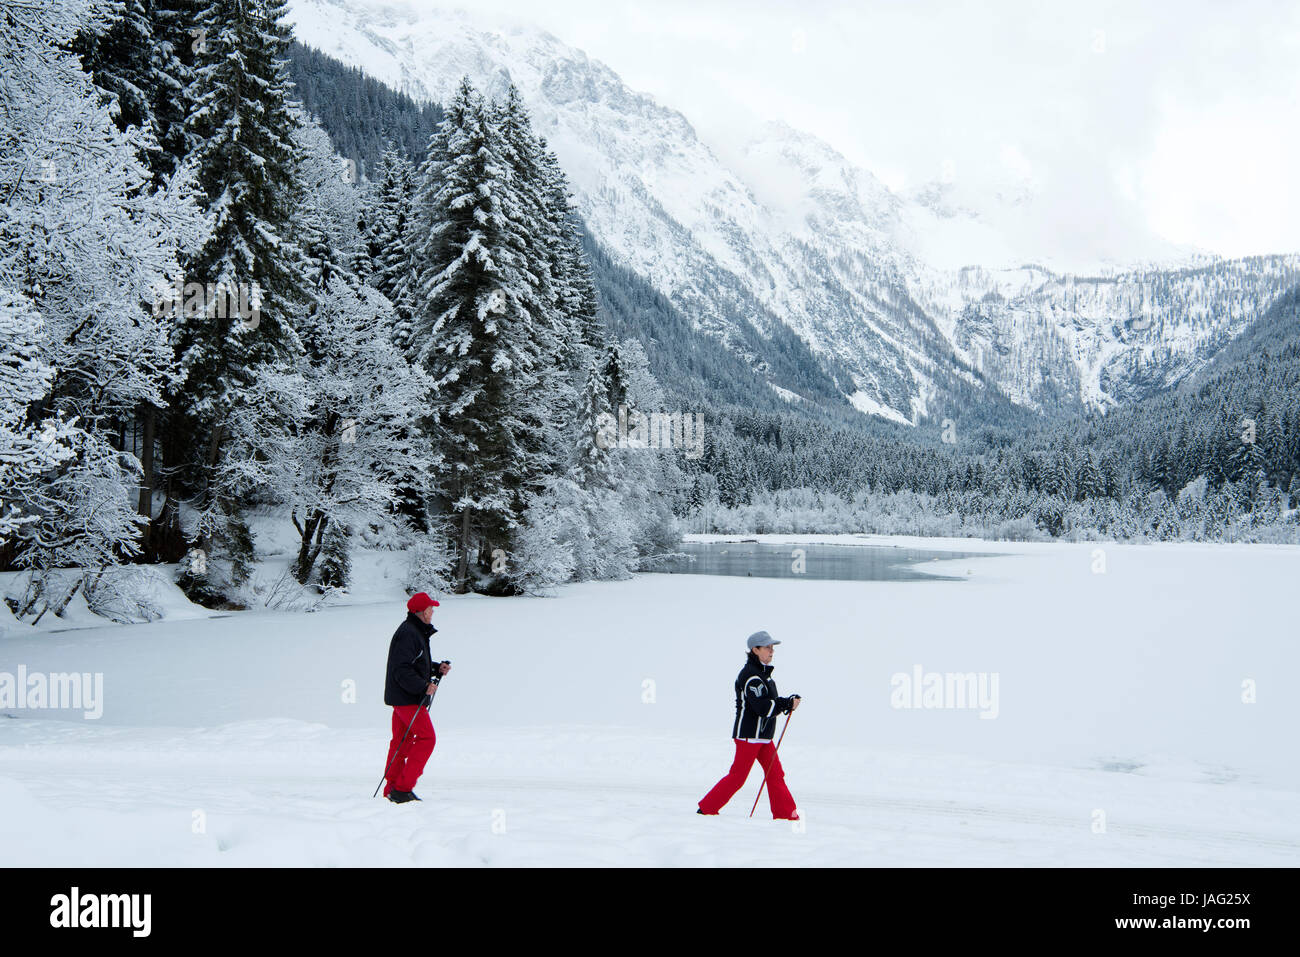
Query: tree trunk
[
  {"x": 144, "y": 505},
  {"x": 309, "y": 551},
  {"x": 462, "y": 568}
]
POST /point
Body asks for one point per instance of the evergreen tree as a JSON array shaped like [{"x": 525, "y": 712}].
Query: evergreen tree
[
  {"x": 592, "y": 442},
  {"x": 475, "y": 333},
  {"x": 387, "y": 241},
  {"x": 336, "y": 561},
  {"x": 241, "y": 125},
  {"x": 1246, "y": 465},
  {"x": 1088, "y": 482},
  {"x": 141, "y": 57},
  {"x": 118, "y": 54}
]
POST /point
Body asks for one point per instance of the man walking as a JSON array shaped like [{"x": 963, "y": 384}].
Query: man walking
[
  {"x": 757, "y": 705},
  {"x": 411, "y": 676}
]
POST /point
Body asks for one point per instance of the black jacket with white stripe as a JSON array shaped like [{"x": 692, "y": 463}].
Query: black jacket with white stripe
[
  {"x": 757, "y": 703},
  {"x": 410, "y": 664}
]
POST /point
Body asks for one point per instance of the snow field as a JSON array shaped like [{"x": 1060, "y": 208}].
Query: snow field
[{"x": 582, "y": 729}]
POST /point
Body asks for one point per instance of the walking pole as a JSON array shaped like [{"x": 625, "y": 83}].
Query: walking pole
[
  {"x": 423, "y": 704},
  {"x": 773, "y": 761}
]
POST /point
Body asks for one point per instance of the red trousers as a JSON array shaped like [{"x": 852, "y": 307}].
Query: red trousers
[
  {"x": 778, "y": 795},
  {"x": 406, "y": 761}
]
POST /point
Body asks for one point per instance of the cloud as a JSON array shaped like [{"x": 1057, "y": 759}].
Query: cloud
[{"x": 1139, "y": 125}]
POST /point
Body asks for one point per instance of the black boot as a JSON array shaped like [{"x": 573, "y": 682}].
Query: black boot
[{"x": 401, "y": 797}]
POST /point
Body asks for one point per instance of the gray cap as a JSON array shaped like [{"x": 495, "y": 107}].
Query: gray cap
[{"x": 760, "y": 638}]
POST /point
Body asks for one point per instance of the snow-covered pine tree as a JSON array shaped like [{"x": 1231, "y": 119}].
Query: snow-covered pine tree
[
  {"x": 1058, "y": 478},
  {"x": 336, "y": 560},
  {"x": 366, "y": 253},
  {"x": 177, "y": 41},
  {"x": 1224, "y": 440},
  {"x": 475, "y": 329},
  {"x": 242, "y": 127},
  {"x": 140, "y": 56},
  {"x": 532, "y": 212},
  {"x": 615, "y": 378},
  {"x": 1089, "y": 481},
  {"x": 575, "y": 291},
  {"x": 118, "y": 54},
  {"x": 591, "y": 467},
  {"x": 553, "y": 416},
  {"x": 388, "y": 240},
  {"x": 1246, "y": 465}
]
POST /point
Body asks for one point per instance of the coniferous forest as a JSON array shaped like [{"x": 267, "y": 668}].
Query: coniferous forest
[
  {"x": 209, "y": 314},
  {"x": 242, "y": 284}
]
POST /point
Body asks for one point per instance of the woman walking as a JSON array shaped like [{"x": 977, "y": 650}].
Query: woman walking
[{"x": 757, "y": 705}]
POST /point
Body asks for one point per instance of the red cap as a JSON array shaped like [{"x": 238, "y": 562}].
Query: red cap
[{"x": 420, "y": 601}]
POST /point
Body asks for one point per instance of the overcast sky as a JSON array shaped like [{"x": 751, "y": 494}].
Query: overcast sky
[{"x": 1176, "y": 119}]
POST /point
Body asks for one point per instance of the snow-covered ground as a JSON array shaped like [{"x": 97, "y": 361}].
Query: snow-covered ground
[{"x": 582, "y": 729}]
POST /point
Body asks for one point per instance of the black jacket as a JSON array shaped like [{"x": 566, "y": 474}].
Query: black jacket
[
  {"x": 757, "y": 703},
  {"x": 410, "y": 664}
]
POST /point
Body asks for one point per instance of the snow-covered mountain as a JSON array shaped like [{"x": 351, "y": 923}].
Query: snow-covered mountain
[
  {"x": 791, "y": 237},
  {"x": 1049, "y": 339}
]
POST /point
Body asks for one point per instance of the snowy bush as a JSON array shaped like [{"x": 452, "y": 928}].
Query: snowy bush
[
  {"x": 432, "y": 563},
  {"x": 126, "y": 593},
  {"x": 386, "y": 532},
  {"x": 42, "y": 590},
  {"x": 545, "y": 552},
  {"x": 1020, "y": 529},
  {"x": 1193, "y": 491},
  {"x": 572, "y": 533},
  {"x": 205, "y": 579},
  {"x": 276, "y": 592}
]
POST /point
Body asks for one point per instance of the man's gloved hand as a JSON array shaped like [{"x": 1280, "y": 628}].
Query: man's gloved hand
[{"x": 440, "y": 670}]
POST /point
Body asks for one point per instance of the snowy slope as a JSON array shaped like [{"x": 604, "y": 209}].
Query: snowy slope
[
  {"x": 794, "y": 237},
  {"x": 232, "y": 741}
]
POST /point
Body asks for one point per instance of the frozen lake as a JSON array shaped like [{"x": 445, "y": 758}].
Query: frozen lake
[{"x": 849, "y": 562}]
